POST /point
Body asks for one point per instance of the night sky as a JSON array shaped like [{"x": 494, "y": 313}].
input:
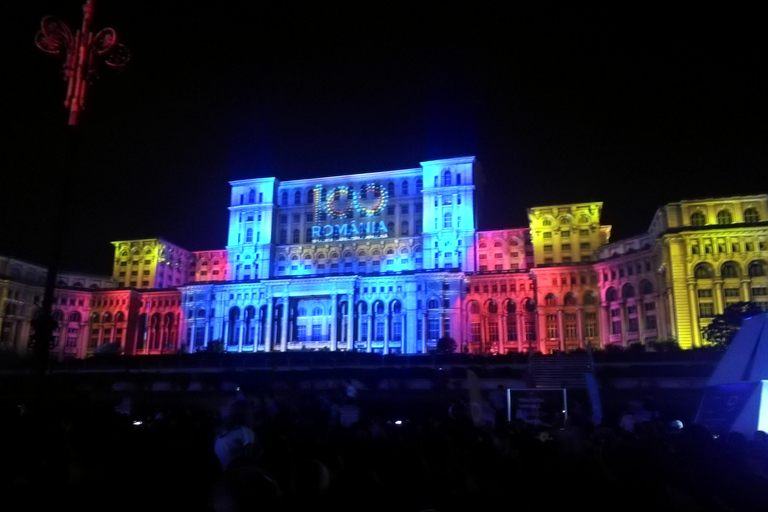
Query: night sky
[{"x": 635, "y": 107}]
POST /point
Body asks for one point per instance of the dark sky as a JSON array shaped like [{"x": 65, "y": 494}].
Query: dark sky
[{"x": 635, "y": 107}]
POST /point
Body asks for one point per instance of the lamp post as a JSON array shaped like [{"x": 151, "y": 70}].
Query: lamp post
[
  {"x": 81, "y": 52},
  {"x": 81, "y": 49}
]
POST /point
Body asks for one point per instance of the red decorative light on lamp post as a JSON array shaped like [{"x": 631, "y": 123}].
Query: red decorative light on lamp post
[{"x": 81, "y": 51}]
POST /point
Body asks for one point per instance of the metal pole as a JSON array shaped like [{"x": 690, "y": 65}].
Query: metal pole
[{"x": 80, "y": 51}]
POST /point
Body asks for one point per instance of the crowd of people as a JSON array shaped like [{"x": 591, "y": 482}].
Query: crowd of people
[{"x": 328, "y": 449}]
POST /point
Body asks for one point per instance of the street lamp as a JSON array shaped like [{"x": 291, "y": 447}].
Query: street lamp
[{"x": 81, "y": 50}]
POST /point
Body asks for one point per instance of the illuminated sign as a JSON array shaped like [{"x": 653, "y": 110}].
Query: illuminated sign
[{"x": 341, "y": 202}]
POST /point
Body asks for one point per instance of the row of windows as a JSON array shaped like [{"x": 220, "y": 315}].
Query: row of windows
[
  {"x": 628, "y": 291},
  {"x": 567, "y": 220},
  {"x": 722, "y": 247},
  {"x": 728, "y": 269},
  {"x": 564, "y": 234},
  {"x": 629, "y": 270},
  {"x": 724, "y": 216},
  {"x": 299, "y": 196}
]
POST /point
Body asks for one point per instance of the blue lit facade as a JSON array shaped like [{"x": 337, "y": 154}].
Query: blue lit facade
[{"x": 375, "y": 262}]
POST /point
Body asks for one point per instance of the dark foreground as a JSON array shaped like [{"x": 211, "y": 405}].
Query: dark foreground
[{"x": 80, "y": 453}]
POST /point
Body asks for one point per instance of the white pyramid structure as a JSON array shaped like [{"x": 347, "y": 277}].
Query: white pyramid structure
[{"x": 736, "y": 398}]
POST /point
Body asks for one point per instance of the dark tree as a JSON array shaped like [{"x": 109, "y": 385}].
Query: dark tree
[
  {"x": 723, "y": 328},
  {"x": 446, "y": 345}
]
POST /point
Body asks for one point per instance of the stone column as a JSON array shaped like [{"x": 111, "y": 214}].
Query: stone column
[
  {"x": 332, "y": 334},
  {"x": 268, "y": 326},
  {"x": 284, "y": 324},
  {"x": 241, "y": 324},
  {"x": 718, "y": 291},
  {"x": 350, "y": 322},
  {"x": 745, "y": 289},
  {"x": 541, "y": 331},
  {"x": 661, "y": 317},
  {"x": 580, "y": 326},
  {"x": 370, "y": 332},
  {"x": 693, "y": 311},
  {"x": 387, "y": 320},
  {"x": 561, "y": 329},
  {"x": 624, "y": 322},
  {"x": 521, "y": 336},
  {"x": 605, "y": 328}
]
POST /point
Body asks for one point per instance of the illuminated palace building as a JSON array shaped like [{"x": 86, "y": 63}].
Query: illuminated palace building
[{"x": 390, "y": 262}]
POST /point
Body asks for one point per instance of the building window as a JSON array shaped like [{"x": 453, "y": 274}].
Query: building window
[
  {"x": 698, "y": 219},
  {"x": 295, "y": 237},
  {"x": 706, "y": 310},
  {"x": 751, "y": 215},
  {"x": 434, "y": 328},
  {"x": 724, "y": 217},
  {"x": 447, "y": 221},
  {"x": 552, "y": 326},
  {"x": 248, "y": 235},
  {"x": 476, "y": 332}
]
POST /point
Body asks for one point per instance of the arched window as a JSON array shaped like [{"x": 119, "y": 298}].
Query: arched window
[
  {"x": 95, "y": 318},
  {"x": 646, "y": 288},
  {"x": 75, "y": 317},
  {"x": 703, "y": 271},
  {"x": 284, "y": 198},
  {"x": 530, "y": 305},
  {"x": 565, "y": 221},
  {"x": 590, "y": 299},
  {"x": 249, "y": 235},
  {"x": 433, "y": 304},
  {"x": 396, "y": 307},
  {"x": 301, "y": 312},
  {"x": 493, "y": 307},
  {"x": 310, "y": 196},
  {"x": 58, "y": 316},
  {"x": 297, "y": 197},
  {"x": 107, "y": 317},
  {"x": 610, "y": 294},
  {"x": 511, "y": 307},
  {"x": 379, "y": 308},
  {"x": 447, "y": 220},
  {"x": 757, "y": 269},
  {"x": 283, "y": 237},
  {"x": 119, "y": 316},
  {"x": 729, "y": 269},
  {"x": 252, "y": 196},
  {"x": 404, "y": 188},
  {"x": 295, "y": 237},
  {"x": 550, "y": 300},
  {"x": 627, "y": 291},
  {"x": 570, "y": 300},
  {"x": 391, "y": 189},
  {"x": 584, "y": 219},
  {"x": 698, "y": 219},
  {"x": 201, "y": 313},
  {"x": 391, "y": 228},
  {"x": 724, "y": 217},
  {"x": 546, "y": 222},
  {"x": 474, "y": 307},
  {"x": 751, "y": 215},
  {"x": 447, "y": 178},
  {"x": 419, "y": 185},
  {"x": 317, "y": 311},
  {"x": 404, "y": 228},
  {"x": 362, "y": 308}
]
